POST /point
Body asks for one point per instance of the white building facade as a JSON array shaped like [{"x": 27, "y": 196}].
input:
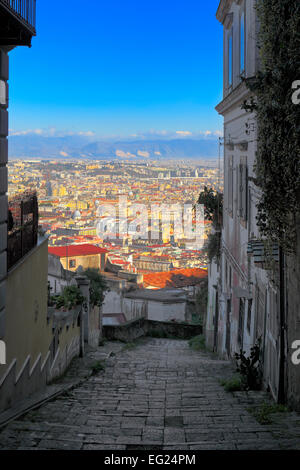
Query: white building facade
[{"x": 243, "y": 304}]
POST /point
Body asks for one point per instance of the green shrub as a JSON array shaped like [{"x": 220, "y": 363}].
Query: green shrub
[
  {"x": 98, "y": 367},
  {"x": 197, "y": 343},
  {"x": 68, "y": 299},
  {"x": 249, "y": 367},
  {"x": 263, "y": 413},
  {"x": 234, "y": 384}
]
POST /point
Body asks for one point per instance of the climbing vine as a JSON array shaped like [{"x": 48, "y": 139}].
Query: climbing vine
[{"x": 277, "y": 164}]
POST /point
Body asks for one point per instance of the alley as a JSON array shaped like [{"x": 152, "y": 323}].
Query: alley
[{"x": 157, "y": 395}]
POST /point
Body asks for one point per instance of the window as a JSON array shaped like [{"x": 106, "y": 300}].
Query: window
[
  {"x": 241, "y": 322},
  {"x": 72, "y": 263},
  {"x": 230, "y": 186},
  {"x": 243, "y": 191},
  {"x": 249, "y": 315},
  {"x": 230, "y": 61},
  {"x": 242, "y": 43}
]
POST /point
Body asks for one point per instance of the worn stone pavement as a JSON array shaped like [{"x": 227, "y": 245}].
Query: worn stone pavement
[{"x": 160, "y": 395}]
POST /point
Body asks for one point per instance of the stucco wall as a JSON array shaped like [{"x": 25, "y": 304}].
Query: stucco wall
[
  {"x": 39, "y": 344},
  {"x": 138, "y": 328},
  {"x": 58, "y": 277},
  {"x": 68, "y": 348},
  {"x": 94, "y": 326},
  {"x": 209, "y": 324},
  {"x": 113, "y": 301},
  {"x": 164, "y": 312},
  {"x": 134, "y": 308},
  {"x": 27, "y": 331},
  {"x": 90, "y": 261}
]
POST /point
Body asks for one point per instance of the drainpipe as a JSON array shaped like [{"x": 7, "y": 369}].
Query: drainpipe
[
  {"x": 281, "y": 385},
  {"x": 81, "y": 334}
]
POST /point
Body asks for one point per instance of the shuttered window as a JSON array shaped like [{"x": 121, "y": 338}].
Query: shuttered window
[
  {"x": 241, "y": 322},
  {"x": 230, "y": 185},
  {"x": 230, "y": 58},
  {"x": 243, "y": 192}
]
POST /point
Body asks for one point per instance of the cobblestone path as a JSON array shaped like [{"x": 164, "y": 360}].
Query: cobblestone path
[{"x": 160, "y": 395}]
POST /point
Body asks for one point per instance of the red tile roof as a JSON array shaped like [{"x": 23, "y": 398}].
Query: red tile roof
[
  {"x": 75, "y": 250},
  {"x": 175, "y": 278}
]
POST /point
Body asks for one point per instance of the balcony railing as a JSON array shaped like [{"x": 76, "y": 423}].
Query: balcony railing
[
  {"x": 24, "y": 10},
  {"x": 22, "y": 227}
]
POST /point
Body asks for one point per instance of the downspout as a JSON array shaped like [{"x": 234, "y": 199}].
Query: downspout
[{"x": 281, "y": 385}]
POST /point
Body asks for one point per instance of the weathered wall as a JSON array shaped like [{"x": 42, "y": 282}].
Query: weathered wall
[
  {"x": 27, "y": 331},
  {"x": 90, "y": 261},
  {"x": 94, "y": 327},
  {"x": 142, "y": 327},
  {"x": 117, "y": 302},
  {"x": 27, "y": 334},
  {"x": 134, "y": 308},
  {"x": 210, "y": 320},
  {"x": 58, "y": 277},
  {"x": 165, "y": 312},
  {"x": 3, "y": 191},
  {"x": 41, "y": 342},
  {"x": 293, "y": 323},
  {"x": 113, "y": 301},
  {"x": 68, "y": 347}
]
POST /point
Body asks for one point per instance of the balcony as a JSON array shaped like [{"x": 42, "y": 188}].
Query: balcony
[
  {"x": 18, "y": 20},
  {"x": 22, "y": 227}
]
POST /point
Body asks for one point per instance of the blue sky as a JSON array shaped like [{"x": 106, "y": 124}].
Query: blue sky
[{"x": 119, "y": 67}]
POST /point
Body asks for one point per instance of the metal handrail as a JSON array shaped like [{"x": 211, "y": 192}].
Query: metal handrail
[{"x": 24, "y": 9}]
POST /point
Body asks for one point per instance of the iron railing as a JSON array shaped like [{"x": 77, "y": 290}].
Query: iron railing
[
  {"x": 25, "y": 10},
  {"x": 22, "y": 227}
]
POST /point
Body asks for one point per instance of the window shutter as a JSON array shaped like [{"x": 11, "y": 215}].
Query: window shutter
[
  {"x": 241, "y": 185},
  {"x": 230, "y": 185},
  {"x": 245, "y": 192}
]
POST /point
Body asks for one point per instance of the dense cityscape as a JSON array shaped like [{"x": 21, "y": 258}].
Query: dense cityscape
[
  {"x": 150, "y": 228},
  {"x": 71, "y": 192}
]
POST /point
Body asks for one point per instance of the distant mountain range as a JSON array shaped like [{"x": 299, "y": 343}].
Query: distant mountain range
[{"x": 42, "y": 147}]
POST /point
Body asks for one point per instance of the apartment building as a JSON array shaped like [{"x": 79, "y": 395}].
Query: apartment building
[
  {"x": 84, "y": 255},
  {"x": 244, "y": 304},
  {"x": 17, "y": 29}
]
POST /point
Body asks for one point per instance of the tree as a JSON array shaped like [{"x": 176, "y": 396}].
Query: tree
[
  {"x": 98, "y": 286},
  {"x": 213, "y": 206},
  {"x": 213, "y": 211}
]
